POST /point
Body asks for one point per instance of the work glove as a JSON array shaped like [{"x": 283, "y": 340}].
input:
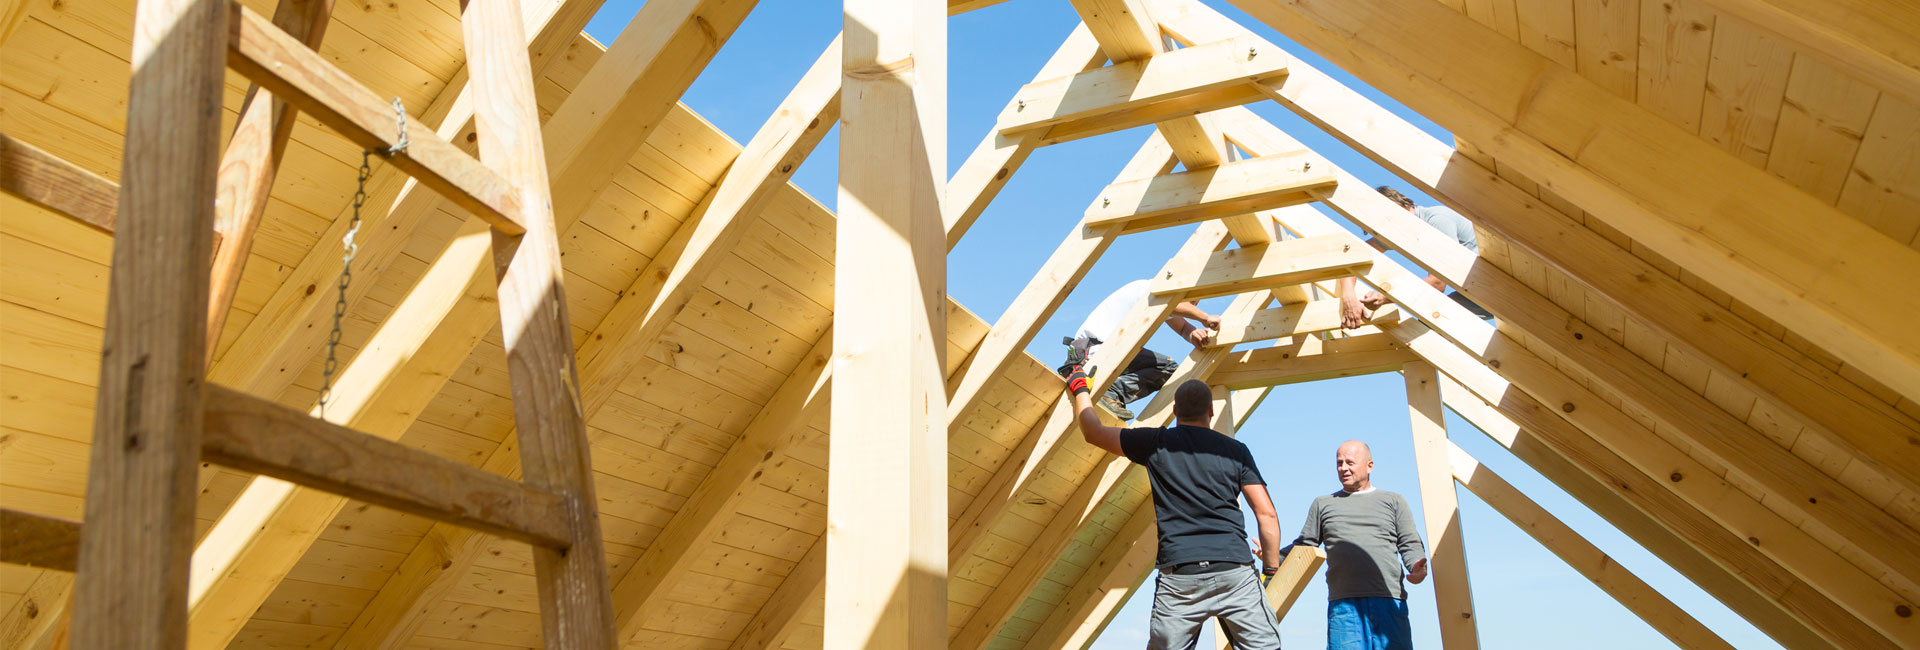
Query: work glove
[{"x": 1266, "y": 575}]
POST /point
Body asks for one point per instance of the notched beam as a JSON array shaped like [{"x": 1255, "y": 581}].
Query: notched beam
[
  {"x": 248, "y": 433},
  {"x": 1235, "y": 188},
  {"x": 1125, "y": 95},
  {"x": 1265, "y": 266}
]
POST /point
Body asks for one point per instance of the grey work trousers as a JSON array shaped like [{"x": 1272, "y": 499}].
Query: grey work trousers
[{"x": 1181, "y": 603}]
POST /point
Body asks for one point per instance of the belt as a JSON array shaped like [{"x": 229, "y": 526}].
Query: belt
[{"x": 1203, "y": 566}]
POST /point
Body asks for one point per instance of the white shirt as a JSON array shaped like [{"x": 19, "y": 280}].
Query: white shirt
[{"x": 1103, "y": 323}]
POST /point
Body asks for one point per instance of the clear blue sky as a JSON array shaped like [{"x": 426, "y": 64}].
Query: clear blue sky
[{"x": 1526, "y": 596}]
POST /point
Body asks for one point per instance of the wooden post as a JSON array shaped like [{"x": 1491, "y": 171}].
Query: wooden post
[
  {"x": 886, "y": 583},
  {"x": 1447, "y": 563},
  {"x": 131, "y": 590},
  {"x": 576, "y": 601}
]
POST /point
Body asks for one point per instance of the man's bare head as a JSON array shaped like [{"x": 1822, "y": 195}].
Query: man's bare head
[
  {"x": 1354, "y": 462},
  {"x": 1193, "y": 402}
]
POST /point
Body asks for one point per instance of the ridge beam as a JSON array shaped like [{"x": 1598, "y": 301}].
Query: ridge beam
[
  {"x": 1145, "y": 91},
  {"x": 1265, "y": 266},
  {"x": 1239, "y": 187}
]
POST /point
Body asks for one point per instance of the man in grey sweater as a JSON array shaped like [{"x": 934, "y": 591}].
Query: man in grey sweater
[{"x": 1369, "y": 537}]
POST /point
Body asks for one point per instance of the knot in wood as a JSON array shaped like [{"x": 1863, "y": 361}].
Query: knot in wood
[
  {"x": 1675, "y": 477},
  {"x": 900, "y": 69},
  {"x": 1567, "y": 407},
  {"x": 1902, "y": 611}
]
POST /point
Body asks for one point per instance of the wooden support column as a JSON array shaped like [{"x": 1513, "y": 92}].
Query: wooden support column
[
  {"x": 886, "y": 584},
  {"x": 131, "y": 590},
  {"x": 1447, "y": 563},
  {"x": 576, "y": 602}
]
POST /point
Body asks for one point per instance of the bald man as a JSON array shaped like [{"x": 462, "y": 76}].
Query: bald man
[{"x": 1369, "y": 537}]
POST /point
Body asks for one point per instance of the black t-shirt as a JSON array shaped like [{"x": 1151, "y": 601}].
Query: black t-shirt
[{"x": 1196, "y": 474}]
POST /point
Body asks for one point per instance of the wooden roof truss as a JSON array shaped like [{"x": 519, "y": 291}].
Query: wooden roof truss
[{"x": 1771, "y": 290}]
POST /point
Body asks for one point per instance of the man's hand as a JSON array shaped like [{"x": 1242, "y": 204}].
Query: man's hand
[
  {"x": 1418, "y": 572},
  {"x": 1373, "y": 300},
  {"x": 1352, "y": 313},
  {"x": 1212, "y": 321},
  {"x": 1199, "y": 336}
]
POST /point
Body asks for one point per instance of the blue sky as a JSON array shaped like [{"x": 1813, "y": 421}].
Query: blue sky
[{"x": 1526, "y": 597}]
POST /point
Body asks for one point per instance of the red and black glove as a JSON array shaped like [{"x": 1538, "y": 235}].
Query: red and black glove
[{"x": 1077, "y": 381}]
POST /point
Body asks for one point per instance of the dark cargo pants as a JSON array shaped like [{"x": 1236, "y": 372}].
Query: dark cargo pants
[{"x": 1146, "y": 373}]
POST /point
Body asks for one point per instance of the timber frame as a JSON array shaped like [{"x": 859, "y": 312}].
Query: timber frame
[{"x": 592, "y": 349}]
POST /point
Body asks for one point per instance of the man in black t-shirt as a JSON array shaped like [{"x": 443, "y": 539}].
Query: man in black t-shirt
[{"x": 1198, "y": 476}]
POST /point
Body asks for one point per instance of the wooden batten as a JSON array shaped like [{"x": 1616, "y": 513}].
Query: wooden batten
[
  {"x": 1263, "y": 266},
  {"x": 1140, "y": 92},
  {"x": 43, "y": 179},
  {"x": 28, "y": 539},
  {"x": 1299, "y": 567},
  {"x": 1292, "y": 320},
  {"x": 1231, "y": 189},
  {"x": 1309, "y": 358}
]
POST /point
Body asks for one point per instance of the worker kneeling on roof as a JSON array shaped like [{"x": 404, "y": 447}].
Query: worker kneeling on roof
[
  {"x": 1148, "y": 370},
  {"x": 1198, "y": 476}
]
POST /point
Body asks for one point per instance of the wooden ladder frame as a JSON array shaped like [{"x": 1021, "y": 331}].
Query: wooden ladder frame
[{"x": 157, "y": 418}]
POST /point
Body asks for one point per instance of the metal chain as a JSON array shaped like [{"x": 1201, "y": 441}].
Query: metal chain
[{"x": 351, "y": 248}]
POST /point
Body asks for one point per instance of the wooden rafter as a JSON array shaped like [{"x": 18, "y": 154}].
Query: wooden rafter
[
  {"x": 1841, "y": 411},
  {"x": 1605, "y": 572},
  {"x": 1732, "y": 224}
]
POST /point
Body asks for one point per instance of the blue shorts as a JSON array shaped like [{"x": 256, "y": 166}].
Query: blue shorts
[{"x": 1368, "y": 624}]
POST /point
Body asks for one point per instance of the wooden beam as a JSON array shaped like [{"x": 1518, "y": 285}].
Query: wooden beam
[
  {"x": 1107, "y": 584},
  {"x": 1141, "y": 91},
  {"x": 252, "y": 161},
  {"x": 1876, "y": 42},
  {"x": 1310, "y": 358},
  {"x": 548, "y": 415},
  {"x": 1262, "y": 266},
  {"x": 886, "y": 584},
  {"x": 994, "y": 161},
  {"x": 1840, "y": 411},
  {"x": 1291, "y": 321},
  {"x": 1844, "y": 604},
  {"x": 45, "y": 180},
  {"x": 131, "y": 589},
  {"x": 1707, "y": 429},
  {"x": 1230, "y": 189},
  {"x": 1452, "y": 595},
  {"x": 957, "y": 7},
  {"x": 1596, "y": 566},
  {"x": 1296, "y": 571},
  {"x": 28, "y": 539},
  {"x": 1125, "y": 29},
  {"x": 251, "y": 434},
  {"x": 292, "y": 71},
  {"x": 254, "y": 546},
  {"x": 1765, "y": 612},
  {"x": 1728, "y": 222}
]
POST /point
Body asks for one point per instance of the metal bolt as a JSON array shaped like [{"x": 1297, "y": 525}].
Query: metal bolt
[
  {"x": 1021, "y": 105},
  {"x": 1105, "y": 202},
  {"x": 1251, "y": 52}
]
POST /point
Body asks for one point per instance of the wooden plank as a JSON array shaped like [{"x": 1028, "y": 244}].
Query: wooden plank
[
  {"x": 1125, "y": 28},
  {"x": 1129, "y": 92},
  {"x": 886, "y": 573},
  {"x": 1733, "y": 225},
  {"x": 131, "y": 590},
  {"x": 1440, "y": 507},
  {"x": 300, "y": 76},
  {"x": 1873, "y": 41},
  {"x": 763, "y": 447},
  {"x": 576, "y": 603},
  {"x": 1768, "y": 614},
  {"x": 47, "y": 181},
  {"x": 1592, "y": 563},
  {"x": 1262, "y": 266},
  {"x": 1291, "y": 320},
  {"x": 993, "y": 162},
  {"x": 1746, "y": 354},
  {"x": 1311, "y": 359},
  {"x": 252, "y": 160},
  {"x": 1108, "y": 582},
  {"x": 1234, "y": 188},
  {"x": 28, "y": 539},
  {"x": 1852, "y": 609},
  {"x": 255, "y": 435}
]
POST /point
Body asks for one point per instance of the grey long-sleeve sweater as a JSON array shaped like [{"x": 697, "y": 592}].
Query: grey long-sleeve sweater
[{"x": 1369, "y": 538}]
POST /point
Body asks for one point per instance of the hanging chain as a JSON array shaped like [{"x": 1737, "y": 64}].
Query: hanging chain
[{"x": 350, "y": 248}]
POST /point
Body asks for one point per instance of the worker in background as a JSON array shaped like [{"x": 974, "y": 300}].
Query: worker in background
[
  {"x": 1198, "y": 476},
  {"x": 1369, "y": 537},
  {"x": 1148, "y": 370},
  {"x": 1354, "y": 309}
]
